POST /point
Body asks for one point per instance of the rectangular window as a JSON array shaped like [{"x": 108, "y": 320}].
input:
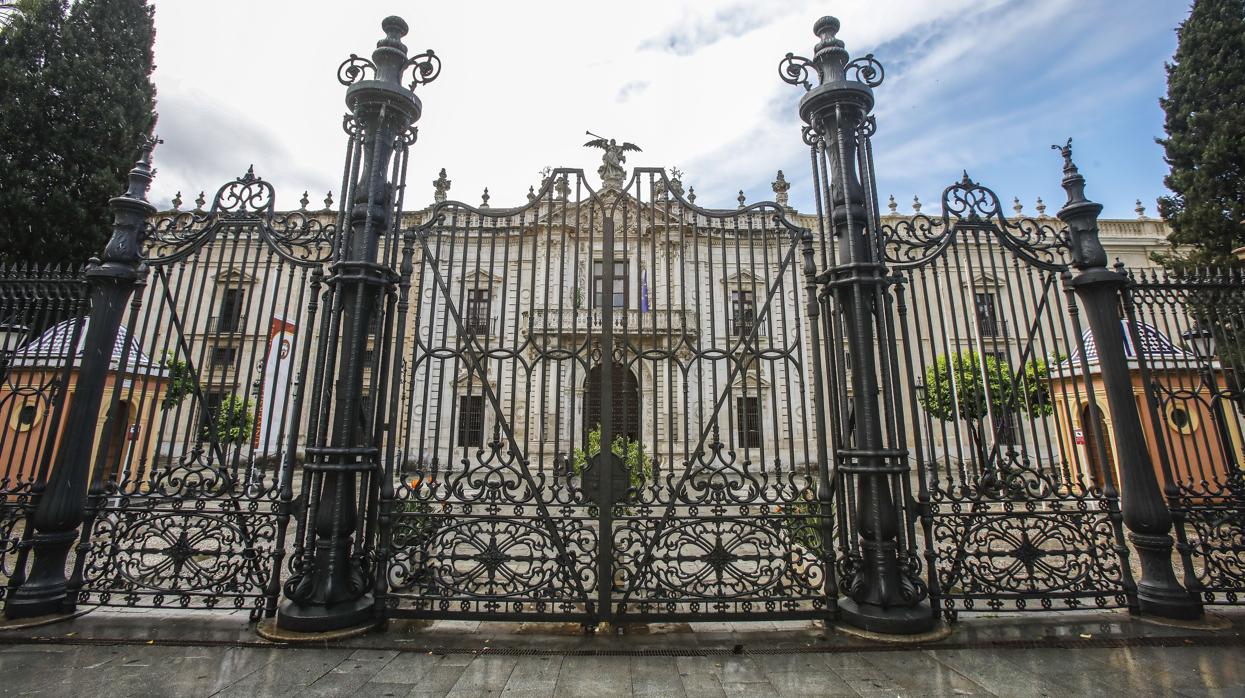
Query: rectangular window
[
  {"x": 230, "y": 319},
  {"x": 987, "y": 316},
  {"x": 471, "y": 421},
  {"x": 479, "y": 310},
  {"x": 618, "y": 291},
  {"x": 743, "y": 313},
  {"x": 749, "y": 422},
  {"x": 224, "y": 357}
]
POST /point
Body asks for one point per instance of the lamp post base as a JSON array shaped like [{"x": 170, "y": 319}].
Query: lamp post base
[
  {"x": 44, "y": 592},
  {"x": 900, "y": 620},
  {"x": 299, "y": 618},
  {"x": 1175, "y": 605}
]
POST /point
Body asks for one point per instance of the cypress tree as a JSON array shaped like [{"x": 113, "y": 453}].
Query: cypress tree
[
  {"x": 78, "y": 102},
  {"x": 1205, "y": 125}
]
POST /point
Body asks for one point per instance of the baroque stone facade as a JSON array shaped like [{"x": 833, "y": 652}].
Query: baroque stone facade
[{"x": 539, "y": 286}]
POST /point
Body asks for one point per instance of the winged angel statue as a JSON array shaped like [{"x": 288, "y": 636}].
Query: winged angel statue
[{"x": 611, "y": 169}]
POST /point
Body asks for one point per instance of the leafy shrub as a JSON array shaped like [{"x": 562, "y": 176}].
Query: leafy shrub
[
  {"x": 181, "y": 381},
  {"x": 639, "y": 465}
]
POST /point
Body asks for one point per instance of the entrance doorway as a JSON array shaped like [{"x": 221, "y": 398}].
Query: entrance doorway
[
  {"x": 1095, "y": 428},
  {"x": 624, "y": 401}
]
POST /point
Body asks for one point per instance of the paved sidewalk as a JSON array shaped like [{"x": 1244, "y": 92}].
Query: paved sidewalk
[{"x": 174, "y": 653}]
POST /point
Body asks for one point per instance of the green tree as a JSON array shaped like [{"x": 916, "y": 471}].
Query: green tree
[
  {"x": 78, "y": 100},
  {"x": 964, "y": 387},
  {"x": 181, "y": 381},
  {"x": 235, "y": 420},
  {"x": 1205, "y": 143}
]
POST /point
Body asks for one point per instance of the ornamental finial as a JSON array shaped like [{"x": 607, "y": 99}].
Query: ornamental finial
[
  {"x": 440, "y": 186},
  {"x": 830, "y": 62},
  {"x": 140, "y": 176},
  {"x": 781, "y": 186},
  {"x": 1073, "y": 182},
  {"x": 830, "y": 54}
]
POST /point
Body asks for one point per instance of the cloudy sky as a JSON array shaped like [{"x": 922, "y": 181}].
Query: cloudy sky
[{"x": 982, "y": 85}]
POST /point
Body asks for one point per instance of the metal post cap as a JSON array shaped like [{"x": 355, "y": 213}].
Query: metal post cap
[{"x": 395, "y": 28}]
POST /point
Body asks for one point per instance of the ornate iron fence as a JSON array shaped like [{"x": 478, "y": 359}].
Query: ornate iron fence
[
  {"x": 43, "y": 312},
  {"x": 191, "y": 487},
  {"x": 1016, "y": 486},
  {"x": 1186, "y": 330},
  {"x": 613, "y": 326},
  {"x": 612, "y": 404}
]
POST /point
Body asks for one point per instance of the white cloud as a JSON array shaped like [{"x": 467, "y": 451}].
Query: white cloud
[{"x": 695, "y": 84}]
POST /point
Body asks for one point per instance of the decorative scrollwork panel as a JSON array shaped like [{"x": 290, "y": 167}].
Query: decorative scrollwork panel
[
  {"x": 1051, "y": 558},
  {"x": 173, "y": 554}
]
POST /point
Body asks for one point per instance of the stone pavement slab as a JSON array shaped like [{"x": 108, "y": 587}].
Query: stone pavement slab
[
  {"x": 171, "y": 653},
  {"x": 213, "y": 671}
]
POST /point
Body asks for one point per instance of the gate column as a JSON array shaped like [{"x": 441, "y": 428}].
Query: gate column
[
  {"x": 882, "y": 597},
  {"x": 59, "y": 507},
  {"x": 334, "y": 571},
  {"x": 1145, "y": 513}
]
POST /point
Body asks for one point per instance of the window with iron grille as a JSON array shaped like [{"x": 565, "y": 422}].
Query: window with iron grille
[
  {"x": 618, "y": 291},
  {"x": 987, "y": 315},
  {"x": 743, "y": 313},
  {"x": 230, "y": 319},
  {"x": 224, "y": 356},
  {"x": 471, "y": 420},
  {"x": 748, "y": 424},
  {"x": 479, "y": 310}
]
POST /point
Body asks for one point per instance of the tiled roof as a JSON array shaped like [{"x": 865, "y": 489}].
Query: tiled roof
[
  {"x": 52, "y": 347},
  {"x": 1154, "y": 345}
]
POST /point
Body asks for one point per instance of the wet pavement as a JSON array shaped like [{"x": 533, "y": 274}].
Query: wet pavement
[{"x": 172, "y": 653}]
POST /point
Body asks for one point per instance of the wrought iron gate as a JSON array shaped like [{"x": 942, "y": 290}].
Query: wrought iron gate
[
  {"x": 1016, "y": 490},
  {"x": 684, "y": 329},
  {"x": 191, "y": 490}
]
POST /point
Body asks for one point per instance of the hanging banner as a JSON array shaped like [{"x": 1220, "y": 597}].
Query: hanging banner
[{"x": 272, "y": 414}]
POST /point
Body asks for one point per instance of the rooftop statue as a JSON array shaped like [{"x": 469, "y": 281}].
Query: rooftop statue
[{"x": 611, "y": 169}]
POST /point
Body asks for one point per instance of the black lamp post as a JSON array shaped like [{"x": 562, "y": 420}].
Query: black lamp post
[
  {"x": 1143, "y": 506},
  {"x": 1202, "y": 340},
  {"x": 882, "y": 594},
  {"x": 60, "y": 501},
  {"x": 331, "y": 587}
]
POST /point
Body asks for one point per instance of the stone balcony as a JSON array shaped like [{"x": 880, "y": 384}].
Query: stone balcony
[{"x": 629, "y": 321}]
